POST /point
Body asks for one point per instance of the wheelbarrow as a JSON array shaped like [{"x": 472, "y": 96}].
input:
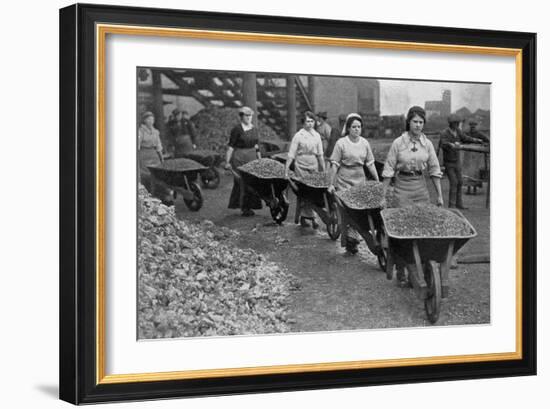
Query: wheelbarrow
[
  {"x": 210, "y": 178},
  {"x": 180, "y": 176},
  {"x": 368, "y": 223},
  {"x": 320, "y": 200},
  {"x": 271, "y": 191},
  {"x": 427, "y": 261}
]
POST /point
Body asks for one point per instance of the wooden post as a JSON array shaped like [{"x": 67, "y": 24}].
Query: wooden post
[
  {"x": 158, "y": 105},
  {"x": 311, "y": 85},
  {"x": 291, "y": 105},
  {"x": 250, "y": 94},
  {"x": 488, "y": 173}
]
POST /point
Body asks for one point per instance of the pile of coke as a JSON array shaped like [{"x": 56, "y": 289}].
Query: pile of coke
[
  {"x": 314, "y": 179},
  {"x": 192, "y": 281},
  {"x": 425, "y": 221},
  {"x": 214, "y": 124},
  {"x": 367, "y": 195},
  {"x": 264, "y": 168}
]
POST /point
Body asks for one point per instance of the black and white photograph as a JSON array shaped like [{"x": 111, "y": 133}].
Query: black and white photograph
[{"x": 272, "y": 202}]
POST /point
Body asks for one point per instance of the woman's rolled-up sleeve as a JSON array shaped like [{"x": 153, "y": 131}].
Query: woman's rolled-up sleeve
[
  {"x": 433, "y": 163},
  {"x": 140, "y": 138},
  {"x": 336, "y": 156},
  {"x": 319, "y": 146},
  {"x": 158, "y": 143},
  {"x": 391, "y": 162},
  {"x": 293, "y": 146},
  {"x": 369, "y": 160}
]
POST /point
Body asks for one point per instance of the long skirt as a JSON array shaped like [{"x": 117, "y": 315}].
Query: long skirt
[
  {"x": 249, "y": 199},
  {"x": 306, "y": 164},
  {"x": 346, "y": 178},
  {"x": 411, "y": 190}
]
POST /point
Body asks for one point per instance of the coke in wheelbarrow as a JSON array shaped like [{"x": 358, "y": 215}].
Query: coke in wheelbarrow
[
  {"x": 423, "y": 239},
  {"x": 180, "y": 176}
]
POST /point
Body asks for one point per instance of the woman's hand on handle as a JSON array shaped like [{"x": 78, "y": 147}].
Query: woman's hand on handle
[{"x": 439, "y": 201}]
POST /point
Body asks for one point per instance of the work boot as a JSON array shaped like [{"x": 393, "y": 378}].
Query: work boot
[
  {"x": 402, "y": 279},
  {"x": 314, "y": 223},
  {"x": 351, "y": 245}
]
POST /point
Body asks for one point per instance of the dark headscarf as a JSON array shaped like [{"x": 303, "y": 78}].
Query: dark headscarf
[{"x": 415, "y": 110}]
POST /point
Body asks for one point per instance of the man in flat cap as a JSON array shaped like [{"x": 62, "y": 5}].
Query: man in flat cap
[
  {"x": 449, "y": 142},
  {"x": 335, "y": 134},
  {"x": 324, "y": 129},
  {"x": 181, "y": 131},
  {"x": 473, "y": 132}
]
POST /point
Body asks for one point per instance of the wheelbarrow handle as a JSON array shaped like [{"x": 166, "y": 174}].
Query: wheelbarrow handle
[
  {"x": 336, "y": 199},
  {"x": 292, "y": 185},
  {"x": 235, "y": 174}
]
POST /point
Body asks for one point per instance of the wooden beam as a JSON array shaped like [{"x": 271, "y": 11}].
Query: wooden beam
[
  {"x": 249, "y": 93},
  {"x": 158, "y": 104},
  {"x": 291, "y": 105},
  {"x": 185, "y": 87}
]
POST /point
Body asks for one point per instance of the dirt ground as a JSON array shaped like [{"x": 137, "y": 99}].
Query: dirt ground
[{"x": 342, "y": 292}]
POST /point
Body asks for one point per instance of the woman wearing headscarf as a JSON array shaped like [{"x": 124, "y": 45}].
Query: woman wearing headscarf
[
  {"x": 149, "y": 151},
  {"x": 243, "y": 148},
  {"x": 351, "y": 153},
  {"x": 411, "y": 155},
  {"x": 306, "y": 151}
]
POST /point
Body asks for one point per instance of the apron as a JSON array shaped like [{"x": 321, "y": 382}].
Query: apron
[
  {"x": 411, "y": 189},
  {"x": 306, "y": 164},
  {"x": 249, "y": 199},
  {"x": 347, "y": 177},
  {"x": 182, "y": 145}
]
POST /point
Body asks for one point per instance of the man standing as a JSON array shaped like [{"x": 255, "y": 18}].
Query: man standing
[
  {"x": 474, "y": 133},
  {"x": 450, "y": 141},
  {"x": 324, "y": 129},
  {"x": 182, "y": 133},
  {"x": 335, "y": 134}
]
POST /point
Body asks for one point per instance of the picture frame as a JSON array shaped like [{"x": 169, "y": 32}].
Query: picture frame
[{"x": 83, "y": 180}]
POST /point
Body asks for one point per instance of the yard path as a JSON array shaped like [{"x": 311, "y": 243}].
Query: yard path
[{"x": 342, "y": 292}]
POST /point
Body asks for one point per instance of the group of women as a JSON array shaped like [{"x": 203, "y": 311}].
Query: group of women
[{"x": 410, "y": 156}]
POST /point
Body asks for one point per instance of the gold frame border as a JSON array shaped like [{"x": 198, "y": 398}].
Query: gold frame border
[{"x": 102, "y": 30}]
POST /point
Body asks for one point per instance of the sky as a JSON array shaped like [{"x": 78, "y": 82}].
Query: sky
[{"x": 397, "y": 96}]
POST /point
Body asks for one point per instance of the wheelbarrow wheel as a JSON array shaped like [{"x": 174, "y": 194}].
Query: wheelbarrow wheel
[
  {"x": 197, "y": 201},
  {"x": 210, "y": 178},
  {"x": 333, "y": 227},
  {"x": 382, "y": 252},
  {"x": 432, "y": 303},
  {"x": 279, "y": 211}
]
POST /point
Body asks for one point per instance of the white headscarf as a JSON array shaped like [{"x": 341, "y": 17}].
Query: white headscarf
[{"x": 353, "y": 114}]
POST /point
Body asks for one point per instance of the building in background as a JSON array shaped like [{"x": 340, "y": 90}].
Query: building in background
[{"x": 440, "y": 108}]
